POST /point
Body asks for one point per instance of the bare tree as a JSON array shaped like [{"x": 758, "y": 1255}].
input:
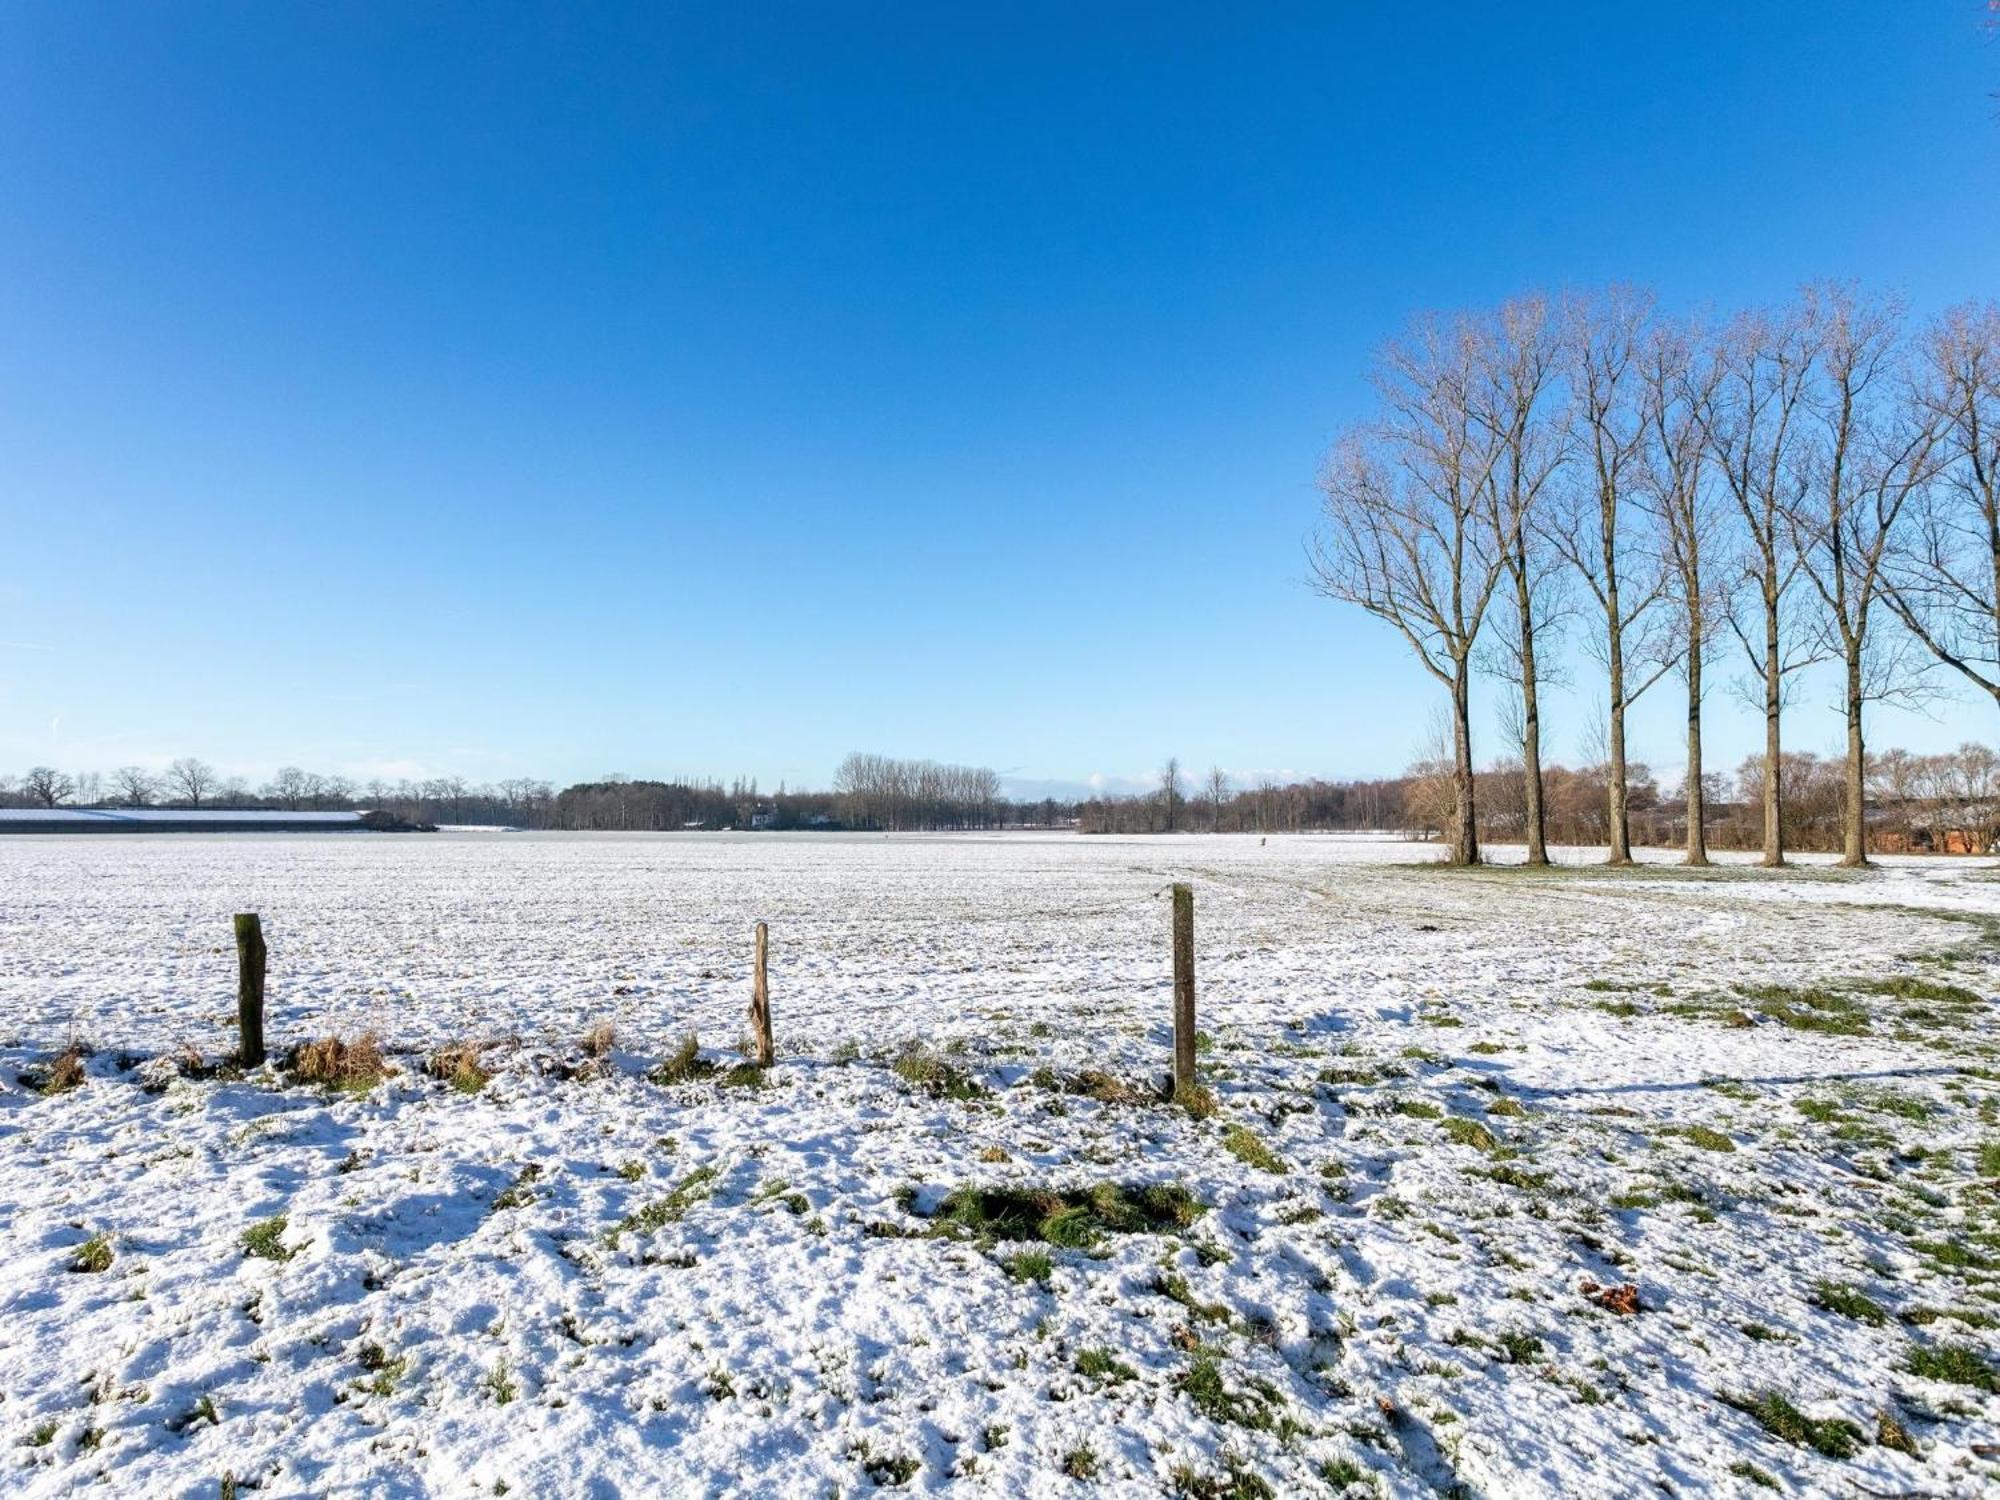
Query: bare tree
[
  {"x": 1170, "y": 789},
  {"x": 290, "y": 787},
  {"x": 1595, "y": 528},
  {"x": 48, "y": 786},
  {"x": 1404, "y": 534},
  {"x": 1946, "y": 585},
  {"x": 1510, "y": 394},
  {"x": 192, "y": 781},
  {"x": 1753, "y": 423},
  {"x": 135, "y": 785},
  {"x": 1871, "y": 453},
  {"x": 1218, "y": 793},
  {"x": 1677, "y": 379}
]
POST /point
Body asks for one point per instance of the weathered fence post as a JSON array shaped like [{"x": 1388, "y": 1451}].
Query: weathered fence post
[
  {"x": 250, "y": 988},
  {"x": 760, "y": 1000},
  {"x": 1183, "y": 988}
]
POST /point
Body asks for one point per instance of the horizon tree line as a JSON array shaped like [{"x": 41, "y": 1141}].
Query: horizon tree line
[{"x": 1817, "y": 482}]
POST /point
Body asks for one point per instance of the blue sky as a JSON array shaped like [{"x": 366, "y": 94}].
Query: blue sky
[{"x": 539, "y": 390}]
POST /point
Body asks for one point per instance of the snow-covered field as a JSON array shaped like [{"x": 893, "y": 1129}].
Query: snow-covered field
[{"x": 1459, "y": 1114}]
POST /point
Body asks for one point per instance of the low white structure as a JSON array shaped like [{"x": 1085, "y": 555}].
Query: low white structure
[{"x": 172, "y": 820}]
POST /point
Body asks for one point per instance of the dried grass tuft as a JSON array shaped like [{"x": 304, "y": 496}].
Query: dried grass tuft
[
  {"x": 458, "y": 1064},
  {"x": 336, "y": 1063}
]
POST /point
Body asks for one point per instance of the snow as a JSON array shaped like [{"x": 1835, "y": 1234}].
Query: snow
[{"x": 1401, "y": 1304}]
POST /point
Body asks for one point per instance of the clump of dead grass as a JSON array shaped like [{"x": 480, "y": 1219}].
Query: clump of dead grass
[
  {"x": 64, "y": 1072},
  {"x": 334, "y": 1062},
  {"x": 459, "y": 1064},
  {"x": 599, "y": 1040}
]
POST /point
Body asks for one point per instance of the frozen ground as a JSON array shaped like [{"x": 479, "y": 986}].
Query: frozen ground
[{"x": 1448, "y": 1101}]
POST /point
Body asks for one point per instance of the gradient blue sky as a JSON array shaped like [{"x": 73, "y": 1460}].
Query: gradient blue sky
[{"x": 553, "y": 390}]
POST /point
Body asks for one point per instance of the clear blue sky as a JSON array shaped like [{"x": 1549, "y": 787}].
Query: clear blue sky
[{"x": 553, "y": 390}]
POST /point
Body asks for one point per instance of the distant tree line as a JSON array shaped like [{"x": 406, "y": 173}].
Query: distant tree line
[
  {"x": 1813, "y": 483},
  {"x": 1951, "y": 800},
  {"x": 195, "y": 784},
  {"x": 871, "y": 792},
  {"x": 1918, "y": 802}
]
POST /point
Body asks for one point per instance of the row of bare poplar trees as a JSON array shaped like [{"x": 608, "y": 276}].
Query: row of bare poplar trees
[{"x": 1816, "y": 482}]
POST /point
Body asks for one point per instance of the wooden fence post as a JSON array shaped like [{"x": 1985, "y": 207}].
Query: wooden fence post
[
  {"x": 250, "y": 989},
  {"x": 760, "y": 1000},
  {"x": 1183, "y": 988}
]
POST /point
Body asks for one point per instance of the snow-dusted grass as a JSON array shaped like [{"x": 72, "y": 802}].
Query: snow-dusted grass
[{"x": 1466, "y": 1122}]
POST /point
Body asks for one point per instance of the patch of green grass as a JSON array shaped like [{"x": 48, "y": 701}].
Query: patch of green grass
[
  {"x": 500, "y": 1384},
  {"x": 44, "y": 1434},
  {"x": 1416, "y": 1109},
  {"x": 1349, "y": 1077},
  {"x": 1744, "y": 1469},
  {"x": 382, "y": 1368},
  {"x": 1952, "y": 1254},
  {"x": 1243, "y": 1143},
  {"x": 661, "y": 1212},
  {"x": 520, "y": 1192},
  {"x": 1520, "y": 1346},
  {"x": 685, "y": 1065},
  {"x": 1198, "y": 1101},
  {"x": 746, "y": 1075},
  {"x": 1235, "y": 1482},
  {"x": 1812, "y": 1008},
  {"x": 920, "y": 1067},
  {"x": 1339, "y": 1473},
  {"x": 1509, "y": 1175},
  {"x": 1895, "y": 1102},
  {"x": 1209, "y": 1393},
  {"x": 1080, "y": 1463},
  {"x": 1704, "y": 1137},
  {"x": 1914, "y": 987},
  {"x": 1174, "y": 1288},
  {"x": 1819, "y": 1111},
  {"x": 1732, "y": 1088},
  {"x": 93, "y": 1255},
  {"x": 1509, "y": 1107},
  {"x": 1029, "y": 1265},
  {"x": 1076, "y": 1218},
  {"x": 887, "y": 1470},
  {"x": 1471, "y": 1133},
  {"x": 1958, "y": 1364},
  {"x": 1848, "y": 1302},
  {"x": 1102, "y": 1364},
  {"x": 1833, "y": 1437},
  {"x": 266, "y": 1240}
]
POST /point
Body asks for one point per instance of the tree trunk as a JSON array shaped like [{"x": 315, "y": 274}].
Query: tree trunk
[
  {"x": 1621, "y": 828},
  {"x": 1774, "y": 831},
  {"x": 1854, "y": 851},
  {"x": 1614, "y": 632},
  {"x": 1531, "y": 742},
  {"x": 1697, "y": 801},
  {"x": 1465, "y": 829}
]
